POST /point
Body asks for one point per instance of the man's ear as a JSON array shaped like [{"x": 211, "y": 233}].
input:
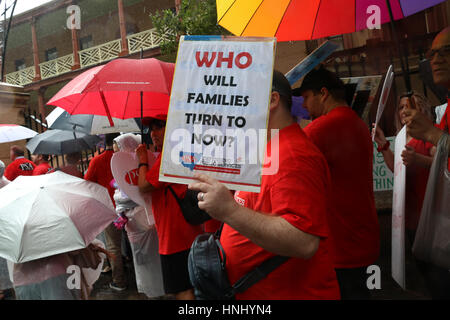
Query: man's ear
[
  {"x": 324, "y": 94},
  {"x": 274, "y": 100}
]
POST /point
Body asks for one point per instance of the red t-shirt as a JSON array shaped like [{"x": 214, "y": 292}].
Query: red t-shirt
[
  {"x": 212, "y": 225},
  {"x": 297, "y": 192},
  {"x": 41, "y": 168},
  {"x": 174, "y": 233},
  {"x": 19, "y": 167},
  {"x": 99, "y": 171},
  {"x": 345, "y": 141},
  {"x": 416, "y": 185}
]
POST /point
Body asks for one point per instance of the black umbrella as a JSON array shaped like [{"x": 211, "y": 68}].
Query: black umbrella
[{"x": 61, "y": 142}]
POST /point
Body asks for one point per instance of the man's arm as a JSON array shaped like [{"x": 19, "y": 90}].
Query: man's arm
[
  {"x": 381, "y": 140},
  {"x": 9, "y": 173},
  {"x": 420, "y": 127},
  {"x": 272, "y": 233}
]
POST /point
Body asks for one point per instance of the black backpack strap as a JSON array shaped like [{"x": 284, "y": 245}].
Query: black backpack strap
[
  {"x": 257, "y": 274},
  {"x": 174, "y": 194}
]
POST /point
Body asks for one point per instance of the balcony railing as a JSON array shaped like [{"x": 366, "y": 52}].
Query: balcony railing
[
  {"x": 56, "y": 67},
  {"x": 105, "y": 52},
  {"x": 21, "y": 77},
  {"x": 144, "y": 40}
]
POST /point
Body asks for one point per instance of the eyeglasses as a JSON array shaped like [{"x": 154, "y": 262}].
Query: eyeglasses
[{"x": 443, "y": 51}]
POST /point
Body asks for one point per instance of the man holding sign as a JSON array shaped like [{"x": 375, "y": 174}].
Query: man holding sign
[{"x": 288, "y": 216}]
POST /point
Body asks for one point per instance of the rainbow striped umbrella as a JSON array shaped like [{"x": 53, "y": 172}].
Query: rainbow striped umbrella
[{"x": 289, "y": 20}]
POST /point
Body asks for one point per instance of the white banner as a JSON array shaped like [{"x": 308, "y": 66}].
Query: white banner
[
  {"x": 398, "y": 212},
  {"x": 218, "y": 113}
]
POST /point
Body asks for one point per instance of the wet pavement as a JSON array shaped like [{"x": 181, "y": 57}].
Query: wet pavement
[
  {"x": 390, "y": 290},
  {"x": 102, "y": 291}
]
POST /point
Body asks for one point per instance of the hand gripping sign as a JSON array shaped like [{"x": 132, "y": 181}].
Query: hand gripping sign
[
  {"x": 124, "y": 167},
  {"x": 218, "y": 112}
]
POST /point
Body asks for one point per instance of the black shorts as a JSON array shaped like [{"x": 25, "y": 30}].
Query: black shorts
[{"x": 175, "y": 272}]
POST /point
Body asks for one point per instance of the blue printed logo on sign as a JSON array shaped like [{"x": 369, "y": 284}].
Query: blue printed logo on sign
[{"x": 189, "y": 160}]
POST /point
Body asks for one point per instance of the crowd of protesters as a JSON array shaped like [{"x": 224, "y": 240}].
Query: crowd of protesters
[{"x": 318, "y": 209}]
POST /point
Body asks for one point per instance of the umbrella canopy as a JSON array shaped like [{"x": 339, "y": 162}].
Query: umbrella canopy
[
  {"x": 14, "y": 132},
  {"x": 289, "y": 20},
  {"x": 61, "y": 142},
  {"x": 41, "y": 216},
  {"x": 114, "y": 89},
  {"x": 89, "y": 123}
]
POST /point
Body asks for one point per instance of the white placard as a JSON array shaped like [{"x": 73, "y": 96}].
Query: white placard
[
  {"x": 384, "y": 97},
  {"x": 124, "y": 167},
  {"x": 218, "y": 113},
  {"x": 398, "y": 212}
]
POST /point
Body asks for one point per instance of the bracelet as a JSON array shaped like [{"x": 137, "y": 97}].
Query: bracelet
[
  {"x": 384, "y": 148},
  {"x": 142, "y": 164}
]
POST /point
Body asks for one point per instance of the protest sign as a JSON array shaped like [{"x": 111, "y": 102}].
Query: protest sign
[
  {"x": 383, "y": 178},
  {"x": 311, "y": 61},
  {"x": 218, "y": 112},
  {"x": 384, "y": 97},
  {"x": 398, "y": 212},
  {"x": 124, "y": 167}
]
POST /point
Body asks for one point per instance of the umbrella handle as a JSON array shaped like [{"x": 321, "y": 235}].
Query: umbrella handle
[{"x": 105, "y": 105}]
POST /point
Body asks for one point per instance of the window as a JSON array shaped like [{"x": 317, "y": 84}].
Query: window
[
  {"x": 51, "y": 54},
  {"x": 20, "y": 64},
  {"x": 131, "y": 29},
  {"x": 86, "y": 42}
]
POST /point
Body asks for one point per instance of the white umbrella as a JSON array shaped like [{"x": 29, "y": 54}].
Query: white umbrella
[
  {"x": 89, "y": 123},
  {"x": 14, "y": 132},
  {"x": 41, "y": 216}
]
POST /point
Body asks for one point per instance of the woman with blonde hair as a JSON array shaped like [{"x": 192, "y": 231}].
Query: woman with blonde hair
[{"x": 417, "y": 157}]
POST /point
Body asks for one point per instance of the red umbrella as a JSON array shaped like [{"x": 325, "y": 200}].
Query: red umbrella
[{"x": 115, "y": 89}]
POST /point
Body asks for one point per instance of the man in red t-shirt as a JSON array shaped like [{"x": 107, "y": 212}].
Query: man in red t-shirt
[
  {"x": 41, "y": 162},
  {"x": 19, "y": 165},
  {"x": 99, "y": 171},
  {"x": 420, "y": 127},
  {"x": 344, "y": 139},
  {"x": 174, "y": 233},
  {"x": 287, "y": 217}
]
